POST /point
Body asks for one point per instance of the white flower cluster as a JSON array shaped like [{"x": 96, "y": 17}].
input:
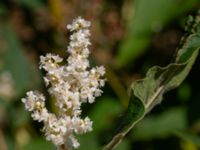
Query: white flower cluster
[{"x": 70, "y": 85}]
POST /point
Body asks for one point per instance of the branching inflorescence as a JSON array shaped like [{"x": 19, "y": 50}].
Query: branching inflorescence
[{"x": 70, "y": 85}]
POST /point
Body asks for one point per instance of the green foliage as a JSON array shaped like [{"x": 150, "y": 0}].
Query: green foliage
[
  {"x": 188, "y": 137},
  {"x": 102, "y": 114},
  {"x": 39, "y": 144},
  {"x": 148, "y": 17},
  {"x": 148, "y": 92},
  {"x": 184, "y": 92},
  {"x": 2, "y": 10},
  {"x": 165, "y": 125},
  {"x": 125, "y": 145},
  {"x": 90, "y": 141},
  {"x": 31, "y": 4}
]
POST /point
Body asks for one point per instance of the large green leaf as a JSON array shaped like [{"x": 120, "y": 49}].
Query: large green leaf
[
  {"x": 146, "y": 18},
  {"x": 148, "y": 92}
]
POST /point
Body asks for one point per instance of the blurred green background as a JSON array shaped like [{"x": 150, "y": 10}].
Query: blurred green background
[{"x": 128, "y": 37}]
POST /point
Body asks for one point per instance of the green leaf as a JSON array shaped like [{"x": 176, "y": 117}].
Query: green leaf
[
  {"x": 159, "y": 80},
  {"x": 148, "y": 17},
  {"x": 161, "y": 125},
  {"x": 148, "y": 92}
]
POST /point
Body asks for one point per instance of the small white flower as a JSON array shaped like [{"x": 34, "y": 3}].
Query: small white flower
[
  {"x": 101, "y": 71},
  {"x": 40, "y": 115},
  {"x": 33, "y": 101},
  {"x": 49, "y": 62},
  {"x": 82, "y": 126},
  {"x": 78, "y": 23}
]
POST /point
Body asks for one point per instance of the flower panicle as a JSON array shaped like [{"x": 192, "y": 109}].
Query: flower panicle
[{"x": 71, "y": 85}]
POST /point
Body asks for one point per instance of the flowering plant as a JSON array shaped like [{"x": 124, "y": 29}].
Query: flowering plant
[{"x": 73, "y": 84}]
